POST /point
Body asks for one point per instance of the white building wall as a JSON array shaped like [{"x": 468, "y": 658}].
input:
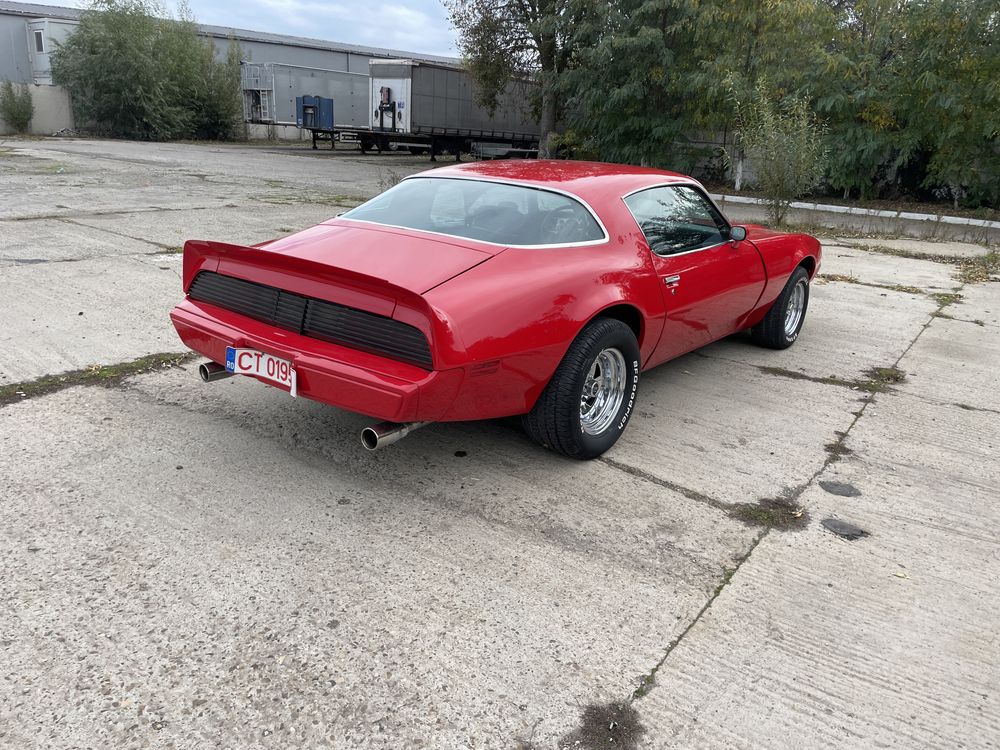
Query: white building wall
[{"x": 52, "y": 111}]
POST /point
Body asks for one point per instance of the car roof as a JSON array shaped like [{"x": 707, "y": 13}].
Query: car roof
[{"x": 591, "y": 181}]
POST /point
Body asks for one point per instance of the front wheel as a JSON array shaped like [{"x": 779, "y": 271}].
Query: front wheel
[
  {"x": 781, "y": 326},
  {"x": 588, "y": 402}
]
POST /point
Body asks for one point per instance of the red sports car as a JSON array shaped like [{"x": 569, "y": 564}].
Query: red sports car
[{"x": 538, "y": 288}]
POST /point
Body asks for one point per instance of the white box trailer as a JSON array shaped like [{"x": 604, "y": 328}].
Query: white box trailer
[{"x": 438, "y": 102}]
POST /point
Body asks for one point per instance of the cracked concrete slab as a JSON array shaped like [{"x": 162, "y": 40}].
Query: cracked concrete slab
[
  {"x": 46, "y": 240},
  {"x": 874, "y": 269},
  {"x": 956, "y": 362},
  {"x": 386, "y": 612},
  {"x": 67, "y": 316},
  {"x": 731, "y": 432},
  {"x": 980, "y": 302},
  {"x": 248, "y": 223},
  {"x": 821, "y": 641},
  {"x": 186, "y": 565},
  {"x": 950, "y": 248},
  {"x": 849, "y": 329}
]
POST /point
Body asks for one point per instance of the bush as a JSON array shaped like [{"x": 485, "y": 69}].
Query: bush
[
  {"x": 785, "y": 144},
  {"x": 16, "y": 108},
  {"x": 131, "y": 74}
]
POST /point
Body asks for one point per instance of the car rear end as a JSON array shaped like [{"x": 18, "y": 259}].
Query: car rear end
[{"x": 324, "y": 333}]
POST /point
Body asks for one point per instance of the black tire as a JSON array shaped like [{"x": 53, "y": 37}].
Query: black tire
[
  {"x": 775, "y": 331},
  {"x": 556, "y": 421}
]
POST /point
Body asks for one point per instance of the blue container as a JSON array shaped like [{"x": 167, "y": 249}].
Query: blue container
[{"x": 314, "y": 113}]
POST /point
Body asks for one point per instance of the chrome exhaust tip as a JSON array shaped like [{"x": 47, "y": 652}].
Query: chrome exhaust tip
[
  {"x": 212, "y": 371},
  {"x": 386, "y": 433}
]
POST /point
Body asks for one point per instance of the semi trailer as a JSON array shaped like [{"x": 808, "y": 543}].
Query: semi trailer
[
  {"x": 436, "y": 104},
  {"x": 422, "y": 106}
]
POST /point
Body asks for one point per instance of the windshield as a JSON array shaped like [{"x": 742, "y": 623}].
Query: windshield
[{"x": 494, "y": 212}]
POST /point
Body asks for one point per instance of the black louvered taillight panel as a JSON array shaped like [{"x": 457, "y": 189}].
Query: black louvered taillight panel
[{"x": 314, "y": 318}]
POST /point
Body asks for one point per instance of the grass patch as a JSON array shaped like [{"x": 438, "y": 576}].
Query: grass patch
[
  {"x": 773, "y": 513},
  {"x": 898, "y": 252},
  {"x": 105, "y": 375},
  {"x": 946, "y": 316},
  {"x": 818, "y": 230},
  {"x": 881, "y": 379},
  {"x": 875, "y": 380},
  {"x": 849, "y": 279},
  {"x": 980, "y": 268},
  {"x": 842, "y": 277},
  {"x": 946, "y": 298}
]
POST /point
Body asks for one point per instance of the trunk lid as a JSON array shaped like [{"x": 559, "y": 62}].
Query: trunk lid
[{"x": 400, "y": 257}]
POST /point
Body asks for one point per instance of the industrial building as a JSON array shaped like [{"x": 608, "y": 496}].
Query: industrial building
[{"x": 30, "y": 32}]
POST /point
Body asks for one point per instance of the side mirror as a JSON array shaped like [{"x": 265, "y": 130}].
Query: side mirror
[{"x": 737, "y": 234}]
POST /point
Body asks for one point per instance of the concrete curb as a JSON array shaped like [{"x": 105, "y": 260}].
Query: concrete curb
[{"x": 921, "y": 226}]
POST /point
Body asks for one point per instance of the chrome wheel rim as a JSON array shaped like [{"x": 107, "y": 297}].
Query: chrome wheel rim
[
  {"x": 603, "y": 392},
  {"x": 796, "y": 307}
]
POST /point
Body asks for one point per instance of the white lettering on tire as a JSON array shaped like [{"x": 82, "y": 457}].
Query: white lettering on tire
[{"x": 631, "y": 398}]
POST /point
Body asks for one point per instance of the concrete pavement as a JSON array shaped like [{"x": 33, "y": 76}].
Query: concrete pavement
[{"x": 188, "y": 565}]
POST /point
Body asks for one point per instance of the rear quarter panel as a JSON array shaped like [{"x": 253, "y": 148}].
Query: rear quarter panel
[{"x": 517, "y": 314}]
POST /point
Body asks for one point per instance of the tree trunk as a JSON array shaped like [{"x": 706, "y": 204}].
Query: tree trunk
[
  {"x": 547, "y": 125},
  {"x": 738, "y": 181}
]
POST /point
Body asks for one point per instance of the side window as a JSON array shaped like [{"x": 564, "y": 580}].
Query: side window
[
  {"x": 676, "y": 219},
  {"x": 39, "y": 42}
]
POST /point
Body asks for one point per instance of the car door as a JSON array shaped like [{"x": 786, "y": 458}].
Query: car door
[{"x": 708, "y": 282}]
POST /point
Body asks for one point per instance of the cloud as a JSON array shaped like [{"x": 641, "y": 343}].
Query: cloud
[{"x": 410, "y": 25}]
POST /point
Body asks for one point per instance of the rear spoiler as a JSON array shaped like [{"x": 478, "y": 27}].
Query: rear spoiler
[
  {"x": 320, "y": 281},
  {"x": 306, "y": 277}
]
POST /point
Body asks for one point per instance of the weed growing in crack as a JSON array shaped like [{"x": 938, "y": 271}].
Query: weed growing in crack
[
  {"x": 777, "y": 513},
  {"x": 106, "y": 375}
]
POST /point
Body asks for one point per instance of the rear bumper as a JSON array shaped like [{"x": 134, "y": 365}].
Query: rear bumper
[{"x": 336, "y": 375}]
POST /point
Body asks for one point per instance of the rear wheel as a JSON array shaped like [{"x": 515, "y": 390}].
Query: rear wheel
[
  {"x": 588, "y": 402},
  {"x": 781, "y": 326}
]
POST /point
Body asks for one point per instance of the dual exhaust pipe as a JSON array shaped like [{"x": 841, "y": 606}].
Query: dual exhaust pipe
[{"x": 374, "y": 437}]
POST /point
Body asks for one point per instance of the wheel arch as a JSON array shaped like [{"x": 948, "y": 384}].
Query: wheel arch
[
  {"x": 809, "y": 263},
  {"x": 628, "y": 314}
]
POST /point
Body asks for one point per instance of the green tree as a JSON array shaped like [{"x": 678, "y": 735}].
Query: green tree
[
  {"x": 786, "y": 146},
  {"x": 16, "y": 107},
  {"x": 950, "y": 101},
  {"x": 502, "y": 40},
  {"x": 655, "y": 72},
  {"x": 629, "y": 86},
  {"x": 856, "y": 95},
  {"x": 133, "y": 73}
]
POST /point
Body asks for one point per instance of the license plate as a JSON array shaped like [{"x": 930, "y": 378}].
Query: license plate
[{"x": 261, "y": 364}]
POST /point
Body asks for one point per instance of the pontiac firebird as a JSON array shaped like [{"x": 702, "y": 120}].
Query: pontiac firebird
[{"x": 477, "y": 291}]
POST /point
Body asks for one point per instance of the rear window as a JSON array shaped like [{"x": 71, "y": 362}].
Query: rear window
[{"x": 494, "y": 212}]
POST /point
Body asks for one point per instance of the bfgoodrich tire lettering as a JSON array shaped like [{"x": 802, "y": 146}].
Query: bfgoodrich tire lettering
[
  {"x": 588, "y": 402},
  {"x": 780, "y": 327}
]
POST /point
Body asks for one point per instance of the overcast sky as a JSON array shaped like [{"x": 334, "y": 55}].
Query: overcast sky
[{"x": 409, "y": 25}]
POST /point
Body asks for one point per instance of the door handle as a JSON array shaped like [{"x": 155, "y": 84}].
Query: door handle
[{"x": 672, "y": 281}]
